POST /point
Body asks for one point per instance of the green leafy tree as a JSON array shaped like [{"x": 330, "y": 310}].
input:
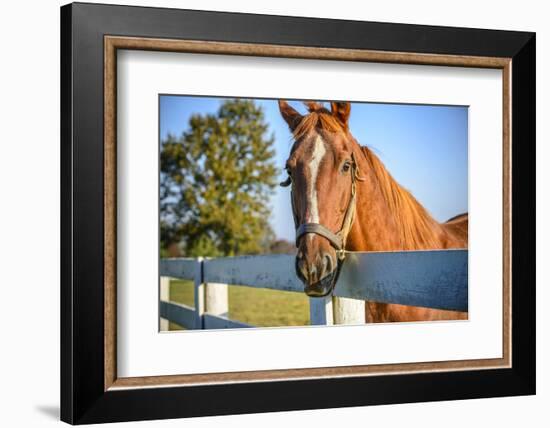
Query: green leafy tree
[{"x": 216, "y": 180}]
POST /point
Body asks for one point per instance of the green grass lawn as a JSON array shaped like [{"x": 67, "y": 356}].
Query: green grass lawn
[{"x": 256, "y": 306}]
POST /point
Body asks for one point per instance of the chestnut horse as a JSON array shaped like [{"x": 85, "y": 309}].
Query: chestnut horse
[{"x": 343, "y": 198}]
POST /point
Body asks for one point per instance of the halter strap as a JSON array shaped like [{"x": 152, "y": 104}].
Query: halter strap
[{"x": 319, "y": 229}]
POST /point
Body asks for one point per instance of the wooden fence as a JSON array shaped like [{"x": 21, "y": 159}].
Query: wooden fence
[{"x": 434, "y": 279}]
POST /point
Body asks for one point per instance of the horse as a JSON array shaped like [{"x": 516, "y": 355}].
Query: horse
[{"x": 344, "y": 199}]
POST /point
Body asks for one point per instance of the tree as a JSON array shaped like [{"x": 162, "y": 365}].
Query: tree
[{"x": 216, "y": 180}]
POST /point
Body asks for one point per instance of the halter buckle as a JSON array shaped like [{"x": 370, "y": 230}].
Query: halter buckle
[{"x": 341, "y": 254}]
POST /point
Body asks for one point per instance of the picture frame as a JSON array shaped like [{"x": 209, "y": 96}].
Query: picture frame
[{"x": 91, "y": 391}]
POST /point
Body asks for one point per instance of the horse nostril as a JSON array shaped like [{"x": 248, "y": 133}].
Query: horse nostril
[
  {"x": 302, "y": 268},
  {"x": 327, "y": 264}
]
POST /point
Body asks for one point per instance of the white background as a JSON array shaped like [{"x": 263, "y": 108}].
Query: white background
[
  {"x": 142, "y": 351},
  {"x": 29, "y": 219}
]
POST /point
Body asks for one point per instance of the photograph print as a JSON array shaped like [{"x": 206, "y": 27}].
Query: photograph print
[{"x": 278, "y": 213}]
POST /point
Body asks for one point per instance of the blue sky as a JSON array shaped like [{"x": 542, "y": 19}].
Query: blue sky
[{"x": 424, "y": 147}]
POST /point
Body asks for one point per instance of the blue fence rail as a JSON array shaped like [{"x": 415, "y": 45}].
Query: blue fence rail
[{"x": 434, "y": 279}]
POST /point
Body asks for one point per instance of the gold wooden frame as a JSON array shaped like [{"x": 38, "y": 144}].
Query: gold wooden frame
[{"x": 113, "y": 43}]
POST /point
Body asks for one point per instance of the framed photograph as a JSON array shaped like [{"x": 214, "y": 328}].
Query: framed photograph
[{"x": 272, "y": 213}]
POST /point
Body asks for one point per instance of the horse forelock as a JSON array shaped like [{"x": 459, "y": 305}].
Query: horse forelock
[{"x": 319, "y": 119}]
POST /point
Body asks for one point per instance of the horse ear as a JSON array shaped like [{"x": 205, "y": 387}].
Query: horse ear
[
  {"x": 341, "y": 111},
  {"x": 291, "y": 116}
]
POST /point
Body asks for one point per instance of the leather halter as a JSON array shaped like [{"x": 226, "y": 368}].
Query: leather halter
[{"x": 338, "y": 239}]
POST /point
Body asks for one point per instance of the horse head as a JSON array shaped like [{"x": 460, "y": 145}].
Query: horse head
[{"x": 322, "y": 172}]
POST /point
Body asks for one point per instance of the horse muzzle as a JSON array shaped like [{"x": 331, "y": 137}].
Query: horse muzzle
[{"x": 317, "y": 285}]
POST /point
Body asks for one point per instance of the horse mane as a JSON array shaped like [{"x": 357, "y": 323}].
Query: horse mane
[{"x": 417, "y": 228}]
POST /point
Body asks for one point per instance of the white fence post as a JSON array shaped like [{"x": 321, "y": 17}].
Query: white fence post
[
  {"x": 320, "y": 311},
  {"x": 348, "y": 311},
  {"x": 164, "y": 295},
  {"x": 199, "y": 295},
  {"x": 216, "y": 299}
]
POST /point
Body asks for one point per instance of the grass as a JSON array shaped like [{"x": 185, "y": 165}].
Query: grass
[{"x": 256, "y": 306}]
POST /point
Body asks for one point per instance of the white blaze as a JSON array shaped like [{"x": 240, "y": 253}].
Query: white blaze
[{"x": 318, "y": 154}]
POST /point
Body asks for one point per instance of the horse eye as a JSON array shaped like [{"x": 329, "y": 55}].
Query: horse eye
[{"x": 346, "y": 167}]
